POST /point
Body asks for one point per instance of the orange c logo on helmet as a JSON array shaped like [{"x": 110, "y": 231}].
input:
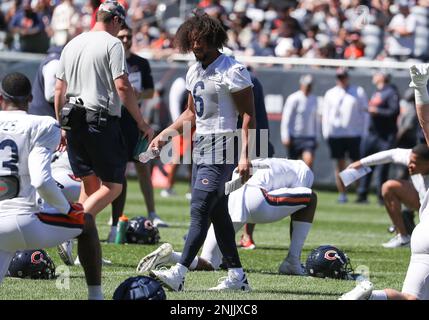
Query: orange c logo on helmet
[
  {"x": 331, "y": 255},
  {"x": 36, "y": 257}
]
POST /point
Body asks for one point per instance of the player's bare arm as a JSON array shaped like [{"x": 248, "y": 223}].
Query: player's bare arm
[
  {"x": 187, "y": 116},
  {"x": 129, "y": 100},
  {"x": 59, "y": 100},
  {"x": 245, "y": 105},
  {"x": 419, "y": 77}
]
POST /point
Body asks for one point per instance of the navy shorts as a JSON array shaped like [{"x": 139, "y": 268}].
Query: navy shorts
[
  {"x": 340, "y": 146},
  {"x": 130, "y": 132},
  {"x": 299, "y": 145},
  {"x": 99, "y": 151},
  {"x": 211, "y": 177}
]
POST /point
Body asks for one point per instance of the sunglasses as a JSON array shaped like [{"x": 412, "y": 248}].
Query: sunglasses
[{"x": 128, "y": 37}]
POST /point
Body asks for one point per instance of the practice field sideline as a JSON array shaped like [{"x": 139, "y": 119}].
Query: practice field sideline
[{"x": 358, "y": 230}]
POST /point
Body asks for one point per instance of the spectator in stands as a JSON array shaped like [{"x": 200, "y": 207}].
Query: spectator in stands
[
  {"x": 299, "y": 122},
  {"x": 65, "y": 23},
  {"x": 344, "y": 123},
  {"x": 30, "y": 29},
  {"x": 384, "y": 110},
  {"x": 402, "y": 27},
  {"x": 261, "y": 46},
  {"x": 356, "y": 48}
]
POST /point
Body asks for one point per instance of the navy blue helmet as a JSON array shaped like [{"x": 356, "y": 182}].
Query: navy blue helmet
[
  {"x": 328, "y": 262},
  {"x": 140, "y": 288},
  {"x": 33, "y": 264},
  {"x": 142, "y": 231}
]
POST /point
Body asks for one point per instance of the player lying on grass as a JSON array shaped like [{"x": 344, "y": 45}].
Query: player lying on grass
[
  {"x": 416, "y": 283},
  {"x": 397, "y": 192},
  {"x": 270, "y": 195},
  {"x": 26, "y": 146}
]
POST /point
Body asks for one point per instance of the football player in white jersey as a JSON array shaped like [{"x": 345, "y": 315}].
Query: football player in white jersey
[
  {"x": 397, "y": 192},
  {"x": 26, "y": 146},
  {"x": 416, "y": 283},
  {"x": 281, "y": 190},
  {"x": 220, "y": 89}
]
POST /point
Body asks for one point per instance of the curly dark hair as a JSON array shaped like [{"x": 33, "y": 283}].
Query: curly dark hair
[{"x": 200, "y": 26}]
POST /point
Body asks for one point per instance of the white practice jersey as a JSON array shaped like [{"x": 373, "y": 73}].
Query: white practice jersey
[
  {"x": 216, "y": 114},
  {"x": 282, "y": 173},
  {"x": 26, "y": 146},
  {"x": 399, "y": 156}
]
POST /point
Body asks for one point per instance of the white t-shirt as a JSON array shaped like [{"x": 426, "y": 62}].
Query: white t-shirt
[
  {"x": 175, "y": 97},
  {"x": 299, "y": 117},
  {"x": 26, "y": 146},
  {"x": 401, "y": 45},
  {"x": 282, "y": 173},
  {"x": 345, "y": 113},
  {"x": 89, "y": 64}
]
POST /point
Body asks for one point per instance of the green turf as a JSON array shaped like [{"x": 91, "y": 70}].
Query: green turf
[{"x": 356, "y": 229}]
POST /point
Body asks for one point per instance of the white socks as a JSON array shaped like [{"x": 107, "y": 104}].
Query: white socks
[
  {"x": 299, "y": 234},
  {"x": 176, "y": 256},
  {"x": 378, "y": 295},
  {"x": 95, "y": 293}
]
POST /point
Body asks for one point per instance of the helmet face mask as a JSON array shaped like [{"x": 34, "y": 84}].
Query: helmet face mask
[
  {"x": 141, "y": 231},
  {"x": 33, "y": 264},
  {"x": 140, "y": 288},
  {"x": 329, "y": 262}
]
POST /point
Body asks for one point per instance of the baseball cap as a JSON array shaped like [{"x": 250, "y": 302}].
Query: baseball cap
[
  {"x": 306, "y": 80},
  {"x": 113, "y": 7},
  {"x": 341, "y": 73}
]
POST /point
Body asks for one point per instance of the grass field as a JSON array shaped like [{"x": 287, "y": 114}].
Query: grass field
[{"x": 358, "y": 230}]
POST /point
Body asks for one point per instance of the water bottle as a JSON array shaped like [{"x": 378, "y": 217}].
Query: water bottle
[
  {"x": 140, "y": 147},
  {"x": 121, "y": 230},
  {"x": 148, "y": 155}
]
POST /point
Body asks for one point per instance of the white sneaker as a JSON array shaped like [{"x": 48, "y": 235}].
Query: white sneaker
[
  {"x": 155, "y": 259},
  {"x": 231, "y": 282},
  {"x": 294, "y": 269},
  {"x": 65, "y": 251},
  {"x": 104, "y": 262},
  {"x": 167, "y": 193},
  {"x": 112, "y": 236},
  {"x": 158, "y": 222},
  {"x": 398, "y": 241},
  {"x": 362, "y": 291},
  {"x": 170, "y": 278}
]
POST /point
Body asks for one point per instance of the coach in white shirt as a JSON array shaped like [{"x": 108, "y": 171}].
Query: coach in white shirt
[
  {"x": 299, "y": 122},
  {"x": 344, "y": 122}
]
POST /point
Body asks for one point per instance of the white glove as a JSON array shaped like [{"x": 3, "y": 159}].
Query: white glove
[
  {"x": 419, "y": 78},
  {"x": 419, "y": 75}
]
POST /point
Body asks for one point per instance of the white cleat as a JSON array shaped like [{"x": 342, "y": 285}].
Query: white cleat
[
  {"x": 170, "y": 278},
  {"x": 361, "y": 292},
  {"x": 155, "y": 259},
  {"x": 292, "y": 269},
  {"x": 65, "y": 251},
  {"x": 167, "y": 193},
  {"x": 231, "y": 282},
  {"x": 398, "y": 241}
]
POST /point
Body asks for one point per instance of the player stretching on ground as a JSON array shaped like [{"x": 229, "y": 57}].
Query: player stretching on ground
[
  {"x": 219, "y": 88},
  {"x": 270, "y": 195},
  {"x": 26, "y": 146},
  {"x": 416, "y": 283}
]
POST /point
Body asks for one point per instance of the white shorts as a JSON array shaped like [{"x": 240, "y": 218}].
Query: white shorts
[
  {"x": 268, "y": 207},
  {"x": 27, "y": 231},
  {"x": 416, "y": 282}
]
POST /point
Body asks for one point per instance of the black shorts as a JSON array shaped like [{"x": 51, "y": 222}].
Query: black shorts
[
  {"x": 340, "y": 146},
  {"x": 99, "y": 151},
  {"x": 299, "y": 145},
  {"x": 130, "y": 132}
]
